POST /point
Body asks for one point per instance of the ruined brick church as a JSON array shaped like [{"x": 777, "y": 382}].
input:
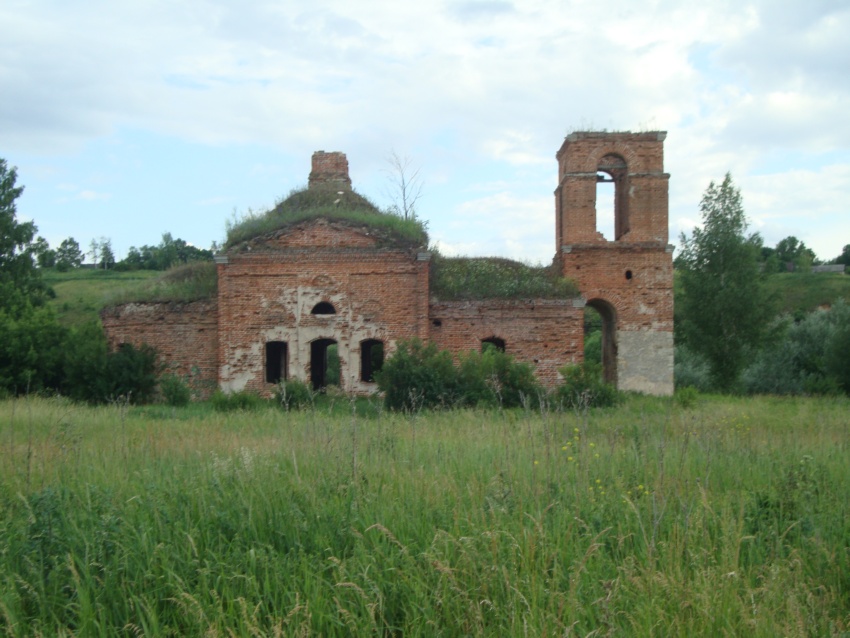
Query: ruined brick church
[{"x": 286, "y": 297}]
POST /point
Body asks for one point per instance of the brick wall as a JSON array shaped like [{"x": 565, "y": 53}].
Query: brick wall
[
  {"x": 546, "y": 333},
  {"x": 629, "y": 279},
  {"x": 329, "y": 169},
  {"x": 268, "y": 287},
  {"x": 184, "y": 334},
  {"x": 268, "y": 295}
]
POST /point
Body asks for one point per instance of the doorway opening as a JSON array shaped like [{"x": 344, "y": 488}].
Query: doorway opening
[{"x": 324, "y": 363}]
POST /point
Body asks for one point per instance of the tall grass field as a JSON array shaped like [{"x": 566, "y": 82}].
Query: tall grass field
[{"x": 729, "y": 517}]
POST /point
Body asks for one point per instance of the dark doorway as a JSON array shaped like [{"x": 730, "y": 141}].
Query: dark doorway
[
  {"x": 371, "y": 359},
  {"x": 276, "y": 359},
  {"x": 324, "y": 363}
]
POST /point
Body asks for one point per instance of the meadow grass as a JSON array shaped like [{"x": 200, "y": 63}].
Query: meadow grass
[
  {"x": 649, "y": 519},
  {"x": 81, "y": 293}
]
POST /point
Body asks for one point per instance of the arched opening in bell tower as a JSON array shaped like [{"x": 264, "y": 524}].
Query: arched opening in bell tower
[
  {"x": 608, "y": 357},
  {"x": 612, "y": 197}
]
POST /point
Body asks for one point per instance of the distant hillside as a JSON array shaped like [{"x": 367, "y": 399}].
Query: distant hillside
[
  {"x": 808, "y": 291},
  {"x": 82, "y": 292}
]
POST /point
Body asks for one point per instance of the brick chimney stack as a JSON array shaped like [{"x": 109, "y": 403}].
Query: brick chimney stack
[{"x": 330, "y": 170}]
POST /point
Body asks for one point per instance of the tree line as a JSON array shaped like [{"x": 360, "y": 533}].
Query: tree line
[{"x": 68, "y": 254}]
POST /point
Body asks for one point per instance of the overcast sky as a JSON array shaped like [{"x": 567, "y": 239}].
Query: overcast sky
[{"x": 130, "y": 119}]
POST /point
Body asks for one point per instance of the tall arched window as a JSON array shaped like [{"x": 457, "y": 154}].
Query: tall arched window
[{"x": 612, "y": 202}]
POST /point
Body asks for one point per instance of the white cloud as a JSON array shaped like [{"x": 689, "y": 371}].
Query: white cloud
[{"x": 465, "y": 86}]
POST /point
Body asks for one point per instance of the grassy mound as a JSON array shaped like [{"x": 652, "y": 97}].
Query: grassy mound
[
  {"x": 331, "y": 204},
  {"x": 194, "y": 281},
  {"x": 469, "y": 278}
]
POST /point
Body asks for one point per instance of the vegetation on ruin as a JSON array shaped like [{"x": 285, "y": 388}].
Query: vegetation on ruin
[
  {"x": 345, "y": 206},
  {"x": 728, "y": 517},
  {"x": 476, "y": 278},
  {"x": 194, "y": 281}
]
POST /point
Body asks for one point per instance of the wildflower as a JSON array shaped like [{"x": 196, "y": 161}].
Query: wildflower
[
  {"x": 537, "y": 462},
  {"x": 569, "y": 458},
  {"x": 575, "y": 430},
  {"x": 564, "y": 448},
  {"x": 596, "y": 456},
  {"x": 593, "y": 445},
  {"x": 598, "y": 481}
]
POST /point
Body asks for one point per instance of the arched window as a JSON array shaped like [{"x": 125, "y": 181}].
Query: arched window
[
  {"x": 323, "y": 308},
  {"x": 276, "y": 359},
  {"x": 612, "y": 197},
  {"x": 371, "y": 359},
  {"x": 494, "y": 343}
]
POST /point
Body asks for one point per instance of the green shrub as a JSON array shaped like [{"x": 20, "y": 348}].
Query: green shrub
[
  {"x": 174, "y": 390},
  {"x": 686, "y": 397},
  {"x": 418, "y": 375},
  {"x": 807, "y": 356},
  {"x": 493, "y": 378},
  {"x": 593, "y": 346},
  {"x": 583, "y": 387},
  {"x": 233, "y": 401},
  {"x": 32, "y": 345},
  {"x": 294, "y": 394},
  {"x": 690, "y": 370},
  {"x": 95, "y": 375},
  {"x": 837, "y": 359}
]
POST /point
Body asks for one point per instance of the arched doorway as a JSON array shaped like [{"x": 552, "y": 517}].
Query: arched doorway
[
  {"x": 324, "y": 363},
  {"x": 608, "y": 315}
]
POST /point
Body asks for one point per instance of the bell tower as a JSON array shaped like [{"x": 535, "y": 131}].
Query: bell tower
[{"x": 627, "y": 278}]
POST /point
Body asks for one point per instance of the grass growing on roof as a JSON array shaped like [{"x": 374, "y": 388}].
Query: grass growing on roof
[
  {"x": 189, "y": 282},
  {"x": 469, "y": 278},
  {"x": 331, "y": 204}
]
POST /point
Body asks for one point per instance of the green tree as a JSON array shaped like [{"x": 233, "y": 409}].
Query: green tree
[
  {"x": 20, "y": 279},
  {"x": 68, "y": 255},
  {"x": 793, "y": 251},
  {"x": 725, "y": 308},
  {"x": 44, "y": 254},
  {"x": 107, "y": 257}
]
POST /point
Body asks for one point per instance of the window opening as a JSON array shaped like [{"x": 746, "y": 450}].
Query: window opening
[
  {"x": 371, "y": 359},
  {"x": 605, "y": 191},
  {"x": 323, "y": 308},
  {"x": 492, "y": 343},
  {"x": 276, "y": 359},
  {"x": 324, "y": 363},
  {"x": 612, "y": 197}
]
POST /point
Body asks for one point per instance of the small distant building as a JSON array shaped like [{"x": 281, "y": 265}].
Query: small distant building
[
  {"x": 292, "y": 291},
  {"x": 837, "y": 268}
]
